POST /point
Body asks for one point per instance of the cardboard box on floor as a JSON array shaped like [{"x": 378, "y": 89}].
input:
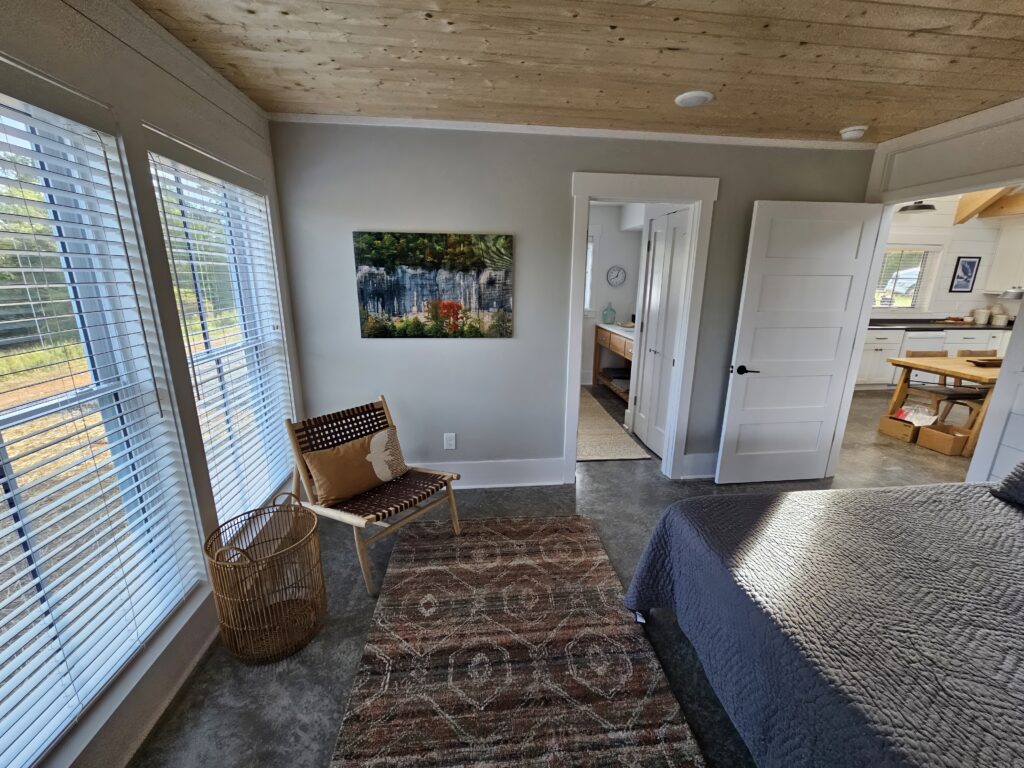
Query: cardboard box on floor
[
  {"x": 901, "y": 430},
  {"x": 944, "y": 438}
]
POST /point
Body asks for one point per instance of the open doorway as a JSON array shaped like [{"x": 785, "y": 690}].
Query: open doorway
[
  {"x": 615, "y": 246},
  {"x": 946, "y": 298},
  {"x": 640, "y": 353},
  {"x": 637, "y": 259}
]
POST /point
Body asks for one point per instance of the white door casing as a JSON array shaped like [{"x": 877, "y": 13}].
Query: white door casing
[
  {"x": 701, "y": 193},
  {"x": 1001, "y": 443},
  {"x": 803, "y": 314}
]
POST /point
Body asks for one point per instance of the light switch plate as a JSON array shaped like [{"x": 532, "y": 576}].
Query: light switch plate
[{"x": 449, "y": 441}]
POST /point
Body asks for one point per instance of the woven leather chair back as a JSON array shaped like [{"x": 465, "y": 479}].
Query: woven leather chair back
[{"x": 322, "y": 432}]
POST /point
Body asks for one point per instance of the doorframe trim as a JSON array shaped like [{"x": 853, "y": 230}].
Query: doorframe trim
[{"x": 701, "y": 192}]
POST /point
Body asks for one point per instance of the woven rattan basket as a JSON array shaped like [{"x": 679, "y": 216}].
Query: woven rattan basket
[{"x": 267, "y": 580}]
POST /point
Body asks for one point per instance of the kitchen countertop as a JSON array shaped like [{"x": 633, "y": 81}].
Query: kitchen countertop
[
  {"x": 931, "y": 325},
  {"x": 627, "y": 332}
]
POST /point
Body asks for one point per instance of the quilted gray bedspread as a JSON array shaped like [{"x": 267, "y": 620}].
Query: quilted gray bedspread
[{"x": 880, "y": 627}]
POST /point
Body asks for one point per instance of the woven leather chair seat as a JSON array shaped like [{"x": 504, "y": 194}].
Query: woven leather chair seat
[
  {"x": 950, "y": 392},
  {"x": 398, "y": 495}
]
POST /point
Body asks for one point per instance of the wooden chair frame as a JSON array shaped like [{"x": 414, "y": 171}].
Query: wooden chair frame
[
  {"x": 973, "y": 402},
  {"x": 371, "y": 418}
]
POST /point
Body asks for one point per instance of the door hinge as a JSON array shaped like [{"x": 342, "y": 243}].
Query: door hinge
[
  {"x": 641, "y": 326},
  {"x": 673, "y": 362},
  {"x": 634, "y": 399}
]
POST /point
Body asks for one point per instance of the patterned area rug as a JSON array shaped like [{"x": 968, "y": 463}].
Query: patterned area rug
[
  {"x": 600, "y": 438},
  {"x": 508, "y": 646}
]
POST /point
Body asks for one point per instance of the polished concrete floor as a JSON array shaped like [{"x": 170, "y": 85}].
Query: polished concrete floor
[{"x": 288, "y": 714}]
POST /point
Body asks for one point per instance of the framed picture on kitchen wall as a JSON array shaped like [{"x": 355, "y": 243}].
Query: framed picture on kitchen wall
[
  {"x": 429, "y": 285},
  {"x": 965, "y": 274}
]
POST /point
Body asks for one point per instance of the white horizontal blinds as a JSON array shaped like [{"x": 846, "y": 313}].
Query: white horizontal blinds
[
  {"x": 98, "y": 541},
  {"x": 222, "y": 260},
  {"x": 901, "y": 278}
]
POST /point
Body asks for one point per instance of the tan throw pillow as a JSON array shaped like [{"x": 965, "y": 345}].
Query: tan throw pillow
[{"x": 355, "y": 467}]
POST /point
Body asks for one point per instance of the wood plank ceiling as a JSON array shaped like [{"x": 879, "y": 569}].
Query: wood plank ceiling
[{"x": 797, "y": 69}]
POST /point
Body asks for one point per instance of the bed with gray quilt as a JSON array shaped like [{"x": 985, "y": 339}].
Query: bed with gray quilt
[{"x": 877, "y": 627}]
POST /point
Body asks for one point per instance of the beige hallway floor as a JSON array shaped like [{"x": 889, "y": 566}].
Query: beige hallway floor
[{"x": 600, "y": 437}]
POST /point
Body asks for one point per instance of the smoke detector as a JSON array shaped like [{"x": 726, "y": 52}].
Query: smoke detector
[
  {"x": 853, "y": 132},
  {"x": 694, "y": 98}
]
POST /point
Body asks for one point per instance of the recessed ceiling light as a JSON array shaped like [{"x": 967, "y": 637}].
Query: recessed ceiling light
[
  {"x": 853, "y": 132},
  {"x": 694, "y": 98}
]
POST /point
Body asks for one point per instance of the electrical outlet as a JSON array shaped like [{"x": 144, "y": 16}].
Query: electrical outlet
[{"x": 449, "y": 441}]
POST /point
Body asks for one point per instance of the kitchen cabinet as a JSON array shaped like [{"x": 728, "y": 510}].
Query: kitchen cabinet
[
  {"x": 979, "y": 338},
  {"x": 1007, "y": 268},
  {"x": 1000, "y": 340},
  {"x": 880, "y": 345},
  {"x": 874, "y": 368}
]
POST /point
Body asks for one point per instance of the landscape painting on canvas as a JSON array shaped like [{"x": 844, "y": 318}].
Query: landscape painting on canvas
[{"x": 433, "y": 285}]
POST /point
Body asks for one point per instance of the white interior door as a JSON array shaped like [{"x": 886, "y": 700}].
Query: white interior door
[
  {"x": 650, "y": 313},
  {"x": 660, "y": 317},
  {"x": 802, "y": 306}
]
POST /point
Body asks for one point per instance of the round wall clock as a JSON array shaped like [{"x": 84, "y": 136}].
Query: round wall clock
[{"x": 616, "y": 276}]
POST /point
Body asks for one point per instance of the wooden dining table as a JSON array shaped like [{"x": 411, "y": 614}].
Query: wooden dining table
[{"x": 952, "y": 368}]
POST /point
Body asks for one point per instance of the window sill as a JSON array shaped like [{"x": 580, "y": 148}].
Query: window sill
[{"x": 116, "y": 723}]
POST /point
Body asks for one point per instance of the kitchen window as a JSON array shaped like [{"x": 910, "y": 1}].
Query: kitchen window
[
  {"x": 225, "y": 280},
  {"x": 901, "y": 279},
  {"x": 98, "y": 537}
]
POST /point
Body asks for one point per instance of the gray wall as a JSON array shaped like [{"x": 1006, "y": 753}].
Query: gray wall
[{"x": 504, "y": 397}]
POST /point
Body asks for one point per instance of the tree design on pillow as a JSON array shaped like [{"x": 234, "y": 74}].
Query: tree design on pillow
[{"x": 385, "y": 455}]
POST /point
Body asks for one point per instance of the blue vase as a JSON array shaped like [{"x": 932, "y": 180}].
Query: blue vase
[{"x": 608, "y": 316}]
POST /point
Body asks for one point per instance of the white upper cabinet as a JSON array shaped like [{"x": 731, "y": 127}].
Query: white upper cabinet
[{"x": 1008, "y": 265}]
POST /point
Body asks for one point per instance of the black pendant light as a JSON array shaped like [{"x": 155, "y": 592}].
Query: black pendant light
[{"x": 919, "y": 206}]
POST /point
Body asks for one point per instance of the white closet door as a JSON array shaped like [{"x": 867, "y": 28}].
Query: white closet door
[
  {"x": 650, "y": 311},
  {"x": 668, "y": 238}
]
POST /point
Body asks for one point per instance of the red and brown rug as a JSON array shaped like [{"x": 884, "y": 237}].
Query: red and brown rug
[{"x": 508, "y": 646}]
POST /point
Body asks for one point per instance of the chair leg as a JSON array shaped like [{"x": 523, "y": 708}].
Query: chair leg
[
  {"x": 972, "y": 416},
  {"x": 946, "y": 409},
  {"x": 454, "y": 510},
  {"x": 364, "y": 563}
]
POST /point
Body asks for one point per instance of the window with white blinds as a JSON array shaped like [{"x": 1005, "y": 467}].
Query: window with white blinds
[
  {"x": 98, "y": 539},
  {"x": 222, "y": 262},
  {"x": 901, "y": 278}
]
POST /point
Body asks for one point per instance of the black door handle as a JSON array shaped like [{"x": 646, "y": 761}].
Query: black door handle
[{"x": 743, "y": 369}]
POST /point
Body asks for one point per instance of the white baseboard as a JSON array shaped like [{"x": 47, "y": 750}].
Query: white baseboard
[
  {"x": 698, "y": 466},
  {"x": 501, "y": 473}
]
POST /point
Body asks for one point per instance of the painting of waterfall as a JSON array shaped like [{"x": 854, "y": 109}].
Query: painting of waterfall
[{"x": 433, "y": 285}]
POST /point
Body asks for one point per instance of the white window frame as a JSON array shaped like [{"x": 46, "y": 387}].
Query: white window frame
[
  {"x": 909, "y": 240},
  {"x": 256, "y": 325},
  {"x": 124, "y": 365}
]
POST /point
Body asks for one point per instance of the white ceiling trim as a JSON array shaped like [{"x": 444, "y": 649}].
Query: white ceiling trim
[{"x": 551, "y": 130}]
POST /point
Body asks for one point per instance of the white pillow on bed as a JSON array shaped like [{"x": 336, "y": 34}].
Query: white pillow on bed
[{"x": 1011, "y": 489}]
